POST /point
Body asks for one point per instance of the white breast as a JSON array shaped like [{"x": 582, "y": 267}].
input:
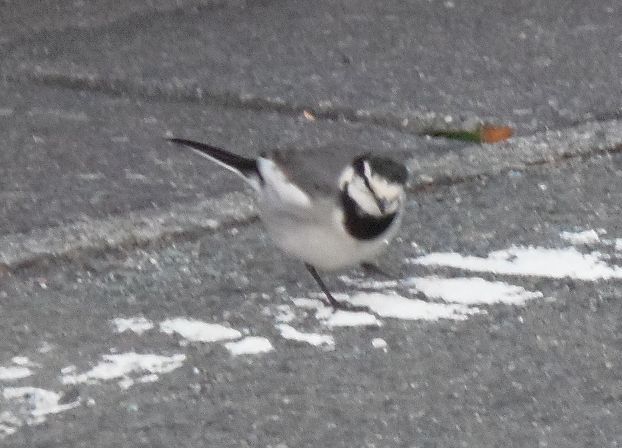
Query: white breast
[{"x": 318, "y": 237}]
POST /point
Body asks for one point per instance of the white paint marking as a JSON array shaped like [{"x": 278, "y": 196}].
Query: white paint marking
[
  {"x": 128, "y": 382},
  {"x": 23, "y": 361},
  {"x": 348, "y": 319},
  {"x": 472, "y": 290},
  {"x": 379, "y": 343},
  {"x": 46, "y": 347},
  {"x": 285, "y": 314},
  {"x": 198, "y": 331},
  {"x": 136, "y": 324},
  {"x": 577, "y": 238},
  {"x": 250, "y": 345},
  {"x": 29, "y": 406},
  {"x": 396, "y": 306},
  {"x": 315, "y": 339},
  {"x": 151, "y": 378},
  {"x": 387, "y": 304},
  {"x": 331, "y": 318},
  {"x": 68, "y": 369},
  {"x": 8, "y": 424},
  {"x": 125, "y": 383},
  {"x": 120, "y": 366},
  {"x": 13, "y": 373},
  {"x": 530, "y": 261}
]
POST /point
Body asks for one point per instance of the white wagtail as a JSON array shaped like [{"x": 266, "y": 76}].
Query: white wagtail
[{"x": 322, "y": 207}]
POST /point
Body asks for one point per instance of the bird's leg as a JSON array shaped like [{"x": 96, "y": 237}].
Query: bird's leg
[{"x": 337, "y": 305}]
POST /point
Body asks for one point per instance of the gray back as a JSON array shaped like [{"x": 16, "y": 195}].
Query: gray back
[{"x": 316, "y": 170}]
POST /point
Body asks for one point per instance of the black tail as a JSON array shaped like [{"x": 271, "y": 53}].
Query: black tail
[{"x": 242, "y": 165}]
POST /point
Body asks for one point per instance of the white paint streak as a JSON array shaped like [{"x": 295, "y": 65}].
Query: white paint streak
[
  {"x": 29, "y": 406},
  {"x": 285, "y": 314},
  {"x": 585, "y": 237},
  {"x": 23, "y": 361},
  {"x": 8, "y": 424},
  {"x": 472, "y": 290},
  {"x": 198, "y": 331},
  {"x": 396, "y": 306},
  {"x": 379, "y": 343},
  {"x": 331, "y": 318},
  {"x": 68, "y": 369},
  {"x": 151, "y": 378},
  {"x": 125, "y": 383},
  {"x": 349, "y": 319},
  {"x": 530, "y": 261},
  {"x": 315, "y": 339},
  {"x": 250, "y": 345},
  {"x": 13, "y": 373},
  {"x": 136, "y": 324},
  {"x": 120, "y": 366}
]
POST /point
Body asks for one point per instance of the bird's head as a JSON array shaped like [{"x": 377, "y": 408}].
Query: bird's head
[{"x": 375, "y": 184}]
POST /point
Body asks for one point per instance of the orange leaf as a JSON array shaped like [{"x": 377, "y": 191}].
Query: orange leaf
[{"x": 492, "y": 134}]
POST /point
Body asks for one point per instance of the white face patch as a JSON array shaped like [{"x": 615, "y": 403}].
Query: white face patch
[
  {"x": 364, "y": 198},
  {"x": 388, "y": 192}
]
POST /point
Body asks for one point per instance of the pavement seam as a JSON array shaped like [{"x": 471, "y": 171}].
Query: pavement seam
[
  {"x": 190, "y": 221},
  {"x": 187, "y": 91},
  {"x": 584, "y": 141},
  {"x": 135, "y": 229}
]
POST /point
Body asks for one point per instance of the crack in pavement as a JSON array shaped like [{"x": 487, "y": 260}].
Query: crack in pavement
[
  {"x": 136, "y": 229},
  {"x": 189, "y": 91},
  {"x": 554, "y": 146},
  {"x": 190, "y": 221},
  {"x": 192, "y": 92}
]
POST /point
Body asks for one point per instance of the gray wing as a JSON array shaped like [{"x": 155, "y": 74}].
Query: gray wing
[{"x": 317, "y": 170}]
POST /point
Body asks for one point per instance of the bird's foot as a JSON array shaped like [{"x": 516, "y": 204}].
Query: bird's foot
[{"x": 342, "y": 305}]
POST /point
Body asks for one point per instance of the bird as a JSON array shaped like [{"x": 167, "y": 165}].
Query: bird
[{"x": 324, "y": 207}]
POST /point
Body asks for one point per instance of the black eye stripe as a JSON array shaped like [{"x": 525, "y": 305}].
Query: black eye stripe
[
  {"x": 359, "y": 167},
  {"x": 366, "y": 180}
]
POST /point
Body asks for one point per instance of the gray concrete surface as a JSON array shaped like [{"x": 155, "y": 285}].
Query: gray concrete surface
[
  {"x": 101, "y": 219},
  {"x": 536, "y": 64},
  {"x": 546, "y": 374}
]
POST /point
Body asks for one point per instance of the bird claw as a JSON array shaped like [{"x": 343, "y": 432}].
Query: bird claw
[{"x": 347, "y": 306}]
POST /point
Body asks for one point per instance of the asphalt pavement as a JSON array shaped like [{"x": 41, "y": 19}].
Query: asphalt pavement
[{"x": 142, "y": 305}]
